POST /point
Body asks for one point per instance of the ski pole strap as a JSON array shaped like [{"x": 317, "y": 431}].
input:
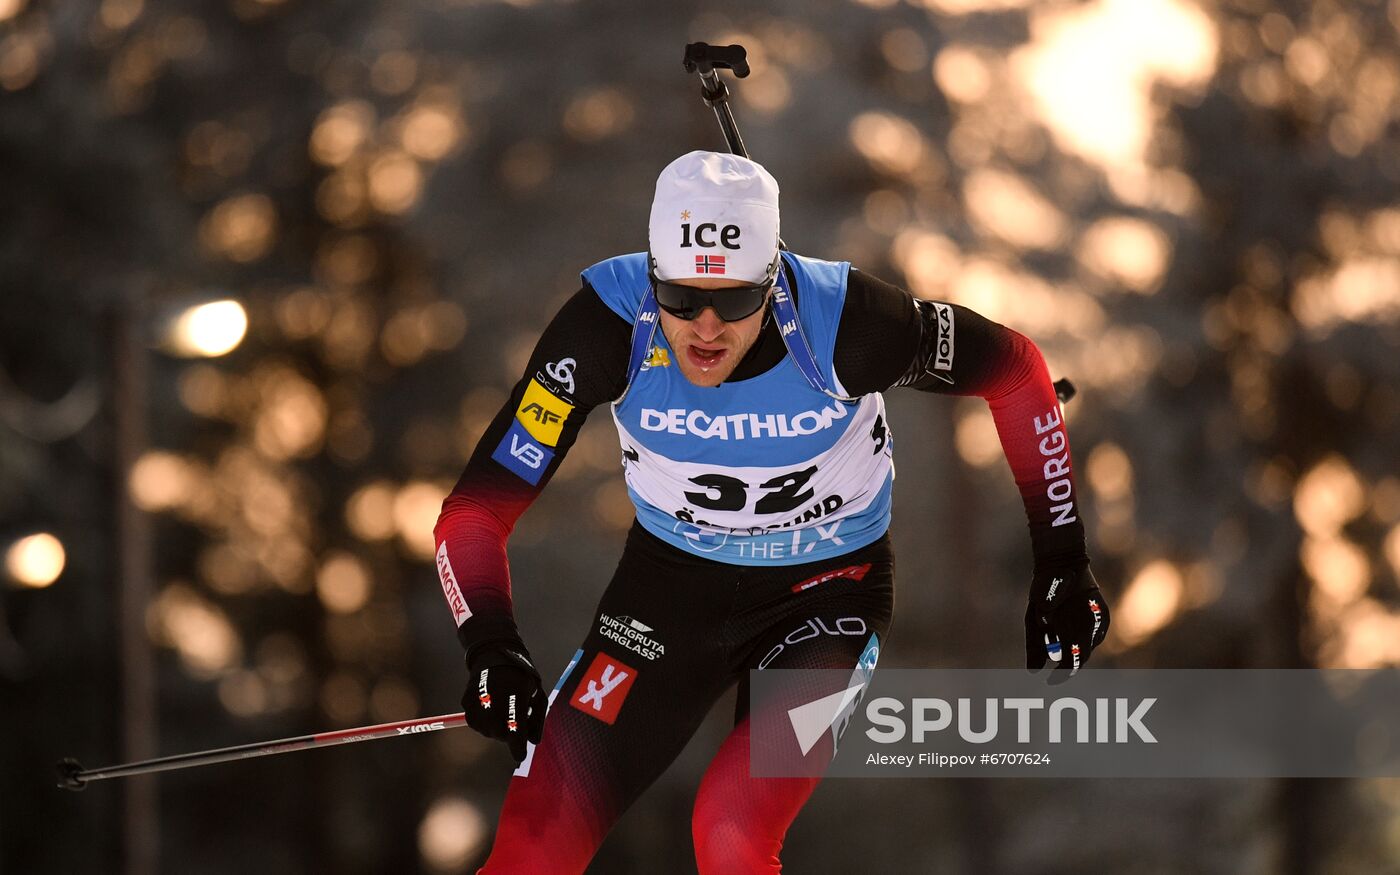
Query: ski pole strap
[
  {"x": 795, "y": 339},
  {"x": 643, "y": 330}
]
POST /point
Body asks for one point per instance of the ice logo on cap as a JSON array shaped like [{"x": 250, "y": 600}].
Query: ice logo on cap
[{"x": 728, "y": 235}]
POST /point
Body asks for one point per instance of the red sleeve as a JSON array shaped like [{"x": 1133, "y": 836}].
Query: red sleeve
[
  {"x": 1030, "y": 424},
  {"x": 580, "y": 362},
  {"x": 963, "y": 353}
]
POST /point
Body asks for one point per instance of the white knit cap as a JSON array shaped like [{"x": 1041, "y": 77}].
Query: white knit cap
[{"x": 714, "y": 215}]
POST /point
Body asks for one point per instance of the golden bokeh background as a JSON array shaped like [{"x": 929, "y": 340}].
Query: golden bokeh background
[{"x": 269, "y": 267}]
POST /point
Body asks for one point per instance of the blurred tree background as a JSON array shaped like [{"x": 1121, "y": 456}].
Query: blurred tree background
[{"x": 216, "y": 518}]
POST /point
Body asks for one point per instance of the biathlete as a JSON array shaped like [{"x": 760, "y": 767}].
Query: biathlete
[{"x": 745, "y": 382}]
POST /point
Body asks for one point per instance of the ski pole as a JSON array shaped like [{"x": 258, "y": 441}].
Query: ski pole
[
  {"x": 72, "y": 776},
  {"x": 705, "y": 59}
]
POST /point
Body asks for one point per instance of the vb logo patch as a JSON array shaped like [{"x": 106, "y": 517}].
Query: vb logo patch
[
  {"x": 603, "y": 688},
  {"x": 520, "y": 454}
]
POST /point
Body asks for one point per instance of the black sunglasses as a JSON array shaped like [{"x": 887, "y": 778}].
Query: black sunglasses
[{"x": 730, "y": 304}]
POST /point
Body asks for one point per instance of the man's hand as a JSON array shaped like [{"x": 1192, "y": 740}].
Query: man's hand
[
  {"x": 1066, "y": 619},
  {"x": 504, "y": 697}
]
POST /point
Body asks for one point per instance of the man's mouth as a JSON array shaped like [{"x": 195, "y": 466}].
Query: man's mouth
[{"x": 705, "y": 357}]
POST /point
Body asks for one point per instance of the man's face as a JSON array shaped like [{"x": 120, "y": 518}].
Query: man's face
[{"x": 707, "y": 348}]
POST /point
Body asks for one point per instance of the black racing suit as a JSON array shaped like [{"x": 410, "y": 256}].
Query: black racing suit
[{"x": 674, "y": 631}]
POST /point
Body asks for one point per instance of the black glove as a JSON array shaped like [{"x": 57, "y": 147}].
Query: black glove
[
  {"x": 1066, "y": 619},
  {"x": 504, "y": 697}
]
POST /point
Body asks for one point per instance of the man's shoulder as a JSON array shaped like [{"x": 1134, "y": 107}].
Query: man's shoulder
[
  {"x": 818, "y": 278},
  {"x": 813, "y": 263},
  {"x": 620, "y": 282},
  {"x": 821, "y": 289},
  {"x": 628, "y": 269}
]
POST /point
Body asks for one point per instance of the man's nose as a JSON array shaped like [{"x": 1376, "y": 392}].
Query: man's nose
[{"x": 707, "y": 326}]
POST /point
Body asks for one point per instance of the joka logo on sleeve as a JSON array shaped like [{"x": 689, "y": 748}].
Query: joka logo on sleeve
[
  {"x": 603, "y": 688},
  {"x": 542, "y": 413}
]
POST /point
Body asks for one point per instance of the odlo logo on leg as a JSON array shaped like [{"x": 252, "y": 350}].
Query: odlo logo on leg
[
  {"x": 604, "y": 687},
  {"x": 813, "y": 628}
]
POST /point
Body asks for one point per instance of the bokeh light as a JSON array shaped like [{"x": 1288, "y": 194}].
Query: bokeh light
[
  {"x": 431, "y": 131},
  {"x": 976, "y": 437},
  {"x": 1328, "y": 497},
  {"x": 1368, "y": 638},
  {"x": 340, "y": 131},
  {"x": 22, "y": 56},
  {"x": 1148, "y": 603},
  {"x": 208, "y": 330},
  {"x": 450, "y": 833},
  {"x": 343, "y": 583},
  {"x": 416, "y": 508},
  {"x": 1108, "y": 118},
  {"x": 241, "y": 229},
  {"x": 598, "y": 114},
  {"x": 1338, "y": 567},
  {"x": 10, "y": 8},
  {"x": 291, "y": 415},
  {"x": 893, "y": 145},
  {"x": 35, "y": 561},
  {"x": 161, "y": 480},
  {"x": 370, "y": 512},
  {"x": 395, "y": 182},
  {"x": 414, "y": 332},
  {"x": 1130, "y": 252},
  {"x": 962, "y": 73},
  {"x": 1008, "y": 207},
  {"x": 198, "y": 630}
]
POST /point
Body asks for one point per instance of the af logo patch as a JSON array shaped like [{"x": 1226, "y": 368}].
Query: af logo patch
[{"x": 542, "y": 413}]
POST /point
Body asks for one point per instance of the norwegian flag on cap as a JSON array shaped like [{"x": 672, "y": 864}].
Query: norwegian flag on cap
[{"x": 709, "y": 264}]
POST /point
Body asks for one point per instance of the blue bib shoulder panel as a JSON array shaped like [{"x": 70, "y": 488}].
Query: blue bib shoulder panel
[
  {"x": 621, "y": 282},
  {"x": 821, "y": 297}
]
